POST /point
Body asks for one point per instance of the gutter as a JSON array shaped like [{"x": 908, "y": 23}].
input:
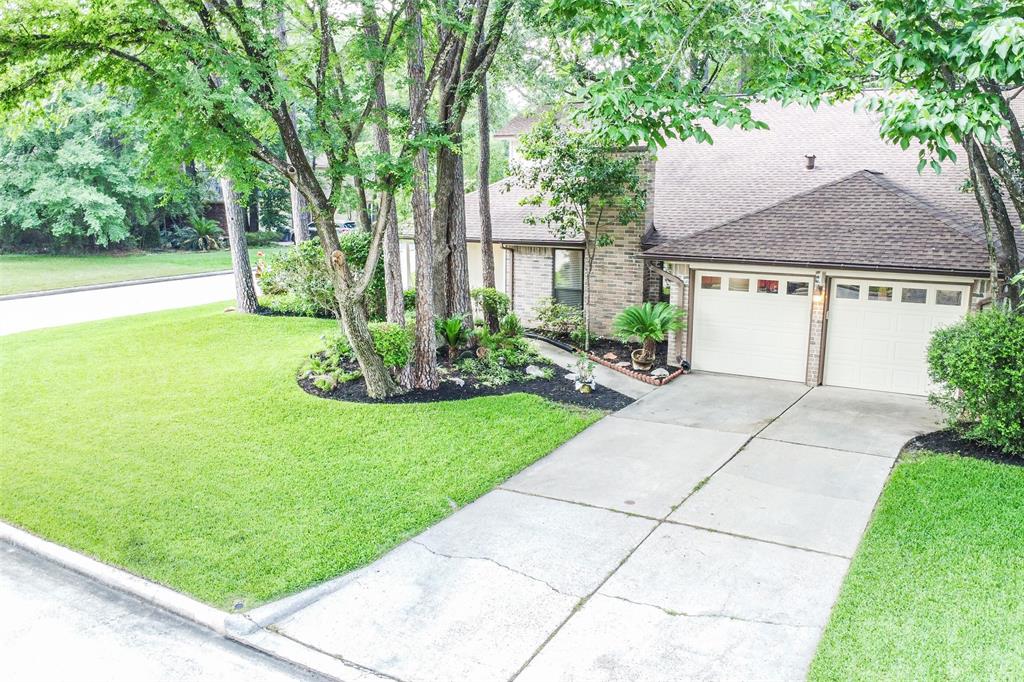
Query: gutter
[{"x": 647, "y": 255}]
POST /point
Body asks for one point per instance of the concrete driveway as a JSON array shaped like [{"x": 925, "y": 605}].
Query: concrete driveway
[{"x": 702, "y": 532}]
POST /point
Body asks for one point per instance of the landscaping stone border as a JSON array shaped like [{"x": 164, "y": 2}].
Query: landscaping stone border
[
  {"x": 243, "y": 628},
  {"x": 647, "y": 379}
]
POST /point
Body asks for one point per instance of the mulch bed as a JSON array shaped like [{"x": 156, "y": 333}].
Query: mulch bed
[
  {"x": 557, "y": 389},
  {"x": 600, "y": 346},
  {"x": 948, "y": 441}
]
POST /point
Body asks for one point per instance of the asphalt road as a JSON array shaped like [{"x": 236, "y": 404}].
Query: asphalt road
[
  {"x": 54, "y": 310},
  {"x": 59, "y": 625}
]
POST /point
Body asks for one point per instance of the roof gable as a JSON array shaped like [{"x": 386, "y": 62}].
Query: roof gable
[{"x": 859, "y": 221}]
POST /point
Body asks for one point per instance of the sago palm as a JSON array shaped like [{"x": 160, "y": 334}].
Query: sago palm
[{"x": 649, "y": 323}]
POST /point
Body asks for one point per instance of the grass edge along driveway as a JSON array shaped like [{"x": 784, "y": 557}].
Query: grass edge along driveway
[
  {"x": 20, "y": 274},
  {"x": 936, "y": 589},
  {"x": 178, "y": 446}
]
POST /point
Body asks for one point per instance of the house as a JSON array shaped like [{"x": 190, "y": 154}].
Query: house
[{"x": 812, "y": 251}]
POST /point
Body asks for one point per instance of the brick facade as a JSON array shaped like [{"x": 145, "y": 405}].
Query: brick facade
[
  {"x": 530, "y": 280},
  {"x": 619, "y": 275}
]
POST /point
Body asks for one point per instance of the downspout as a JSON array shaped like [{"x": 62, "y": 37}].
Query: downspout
[{"x": 677, "y": 350}]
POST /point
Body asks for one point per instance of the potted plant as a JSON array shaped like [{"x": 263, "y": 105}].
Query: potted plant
[{"x": 648, "y": 323}]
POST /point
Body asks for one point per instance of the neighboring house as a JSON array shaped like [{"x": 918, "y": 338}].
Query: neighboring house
[{"x": 832, "y": 269}]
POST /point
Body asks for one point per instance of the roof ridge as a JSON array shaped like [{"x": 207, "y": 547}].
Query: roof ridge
[{"x": 905, "y": 195}]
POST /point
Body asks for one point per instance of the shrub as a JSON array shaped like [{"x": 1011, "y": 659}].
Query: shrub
[
  {"x": 301, "y": 273},
  {"x": 510, "y": 327},
  {"x": 558, "y": 317},
  {"x": 649, "y": 323},
  {"x": 489, "y": 372},
  {"x": 263, "y": 238},
  {"x": 205, "y": 235},
  {"x": 393, "y": 343},
  {"x": 493, "y": 303},
  {"x": 409, "y": 299},
  {"x": 978, "y": 365}
]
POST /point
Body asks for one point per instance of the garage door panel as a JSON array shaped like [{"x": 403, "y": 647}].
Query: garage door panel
[
  {"x": 751, "y": 333},
  {"x": 883, "y": 344}
]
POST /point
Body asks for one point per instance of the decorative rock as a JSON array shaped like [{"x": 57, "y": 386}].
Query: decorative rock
[
  {"x": 570, "y": 376},
  {"x": 660, "y": 373},
  {"x": 457, "y": 381},
  {"x": 610, "y": 356},
  {"x": 534, "y": 371},
  {"x": 624, "y": 363}
]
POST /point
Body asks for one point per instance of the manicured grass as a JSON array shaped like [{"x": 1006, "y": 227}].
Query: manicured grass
[
  {"x": 179, "y": 446},
  {"x": 936, "y": 590},
  {"x": 21, "y": 273}
]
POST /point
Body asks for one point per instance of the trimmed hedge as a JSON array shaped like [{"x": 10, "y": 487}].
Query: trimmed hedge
[{"x": 979, "y": 366}]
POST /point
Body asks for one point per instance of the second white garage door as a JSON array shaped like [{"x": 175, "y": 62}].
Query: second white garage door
[
  {"x": 878, "y": 331},
  {"x": 754, "y": 324}
]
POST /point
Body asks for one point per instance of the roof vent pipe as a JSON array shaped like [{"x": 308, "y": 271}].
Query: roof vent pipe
[{"x": 809, "y": 164}]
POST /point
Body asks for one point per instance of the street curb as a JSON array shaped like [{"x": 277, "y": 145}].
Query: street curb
[
  {"x": 112, "y": 285},
  {"x": 237, "y": 627}
]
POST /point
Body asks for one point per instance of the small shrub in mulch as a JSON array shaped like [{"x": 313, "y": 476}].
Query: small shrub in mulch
[
  {"x": 948, "y": 441},
  {"x": 600, "y": 347}
]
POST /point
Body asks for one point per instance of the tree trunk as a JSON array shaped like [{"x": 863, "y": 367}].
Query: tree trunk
[
  {"x": 425, "y": 368},
  {"x": 444, "y": 182},
  {"x": 459, "y": 302},
  {"x": 992, "y": 202},
  {"x": 245, "y": 289},
  {"x": 300, "y": 230},
  {"x": 379, "y": 383},
  {"x": 484, "y": 191},
  {"x": 253, "y": 223},
  {"x": 393, "y": 290}
]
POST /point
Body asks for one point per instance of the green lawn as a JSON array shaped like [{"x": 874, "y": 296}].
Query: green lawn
[
  {"x": 178, "y": 445},
  {"x": 936, "y": 590},
  {"x": 20, "y": 273}
]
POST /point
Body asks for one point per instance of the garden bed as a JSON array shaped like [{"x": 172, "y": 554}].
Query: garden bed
[
  {"x": 948, "y": 441},
  {"x": 615, "y": 354},
  {"x": 458, "y": 385}
]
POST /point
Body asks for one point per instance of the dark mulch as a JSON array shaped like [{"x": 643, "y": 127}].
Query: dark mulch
[
  {"x": 600, "y": 346},
  {"x": 557, "y": 389},
  {"x": 949, "y": 441}
]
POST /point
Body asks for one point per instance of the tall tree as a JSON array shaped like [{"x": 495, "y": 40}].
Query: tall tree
[
  {"x": 461, "y": 66},
  {"x": 245, "y": 289},
  {"x": 300, "y": 231},
  {"x": 483, "y": 187},
  {"x": 580, "y": 189},
  {"x": 173, "y": 55},
  {"x": 425, "y": 369}
]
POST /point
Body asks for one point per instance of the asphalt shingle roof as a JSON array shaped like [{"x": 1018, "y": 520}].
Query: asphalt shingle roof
[{"x": 860, "y": 221}]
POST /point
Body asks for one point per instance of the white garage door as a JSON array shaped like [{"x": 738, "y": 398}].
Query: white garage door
[
  {"x": 751, "y": 323},
  {"x": 878, "y": 331}
]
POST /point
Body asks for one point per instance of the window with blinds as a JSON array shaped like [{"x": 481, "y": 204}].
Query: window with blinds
[{"x": 568, "y": 279}]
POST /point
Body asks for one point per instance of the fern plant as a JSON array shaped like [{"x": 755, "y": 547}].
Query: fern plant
[
  {"x": 205, "y": 234},
  {"x": 453, "y": 333},
  {"x": 648, "y": 323}
]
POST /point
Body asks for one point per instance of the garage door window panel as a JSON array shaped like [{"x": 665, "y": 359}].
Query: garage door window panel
[
  {"x": 914, "y": 295},
  {"x": 710, "y": 282},
  {"x": 741, "y": 284},
  {"x": 879, "y": 293},
  {"x": 948, "y": 297},
  {"x": 848, "y": 291},
  {"x": 797, "y": 288},
  {"x": 767, "y": 286}
]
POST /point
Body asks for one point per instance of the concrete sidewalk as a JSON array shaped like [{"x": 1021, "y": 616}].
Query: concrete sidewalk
[
  {"x": 702, "y": 532},
  {"x": 59, "y": 625}
]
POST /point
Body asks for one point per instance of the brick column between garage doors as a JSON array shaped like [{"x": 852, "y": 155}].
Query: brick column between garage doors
[{"x": 816, "y": 338}]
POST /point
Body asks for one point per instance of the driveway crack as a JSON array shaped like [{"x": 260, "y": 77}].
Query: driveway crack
[
  {"x": 496, "y": 563},
  {"x": 725, "y": 616}
]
